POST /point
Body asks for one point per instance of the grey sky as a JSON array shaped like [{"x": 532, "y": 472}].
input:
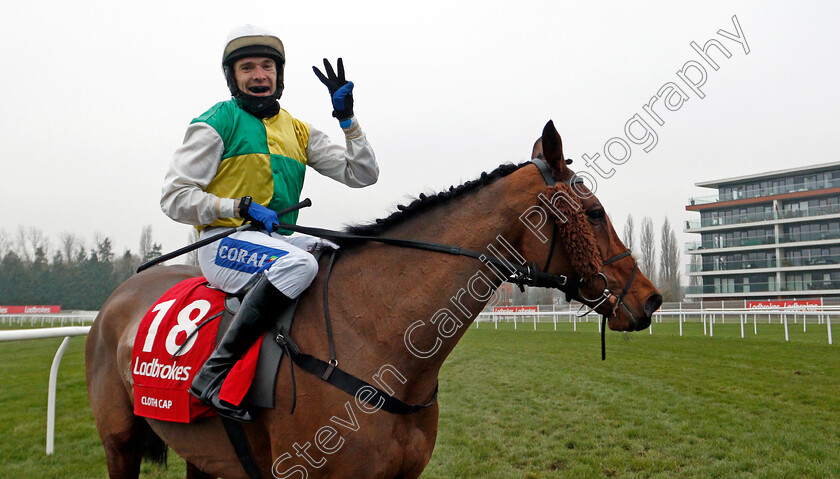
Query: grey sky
[{"x": 97, "y": 96}]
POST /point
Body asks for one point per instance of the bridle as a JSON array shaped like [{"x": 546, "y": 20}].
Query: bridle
[
  {"x": 592, "y": 304},
  {"x": 521, "y": 275}
]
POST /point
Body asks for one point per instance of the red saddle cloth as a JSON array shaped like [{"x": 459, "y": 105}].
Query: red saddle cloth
[{"x": 164, "y": 362}]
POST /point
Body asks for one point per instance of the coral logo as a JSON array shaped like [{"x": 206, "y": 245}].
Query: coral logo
[{"x": 246, "y": 257}]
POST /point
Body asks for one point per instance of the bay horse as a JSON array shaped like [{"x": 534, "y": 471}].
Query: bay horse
[{"x": 396, "y": 313}]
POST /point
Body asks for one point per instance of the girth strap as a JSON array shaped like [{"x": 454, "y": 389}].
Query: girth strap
[
  {"x": 328, "y": 370},
  {"x": 237, "y": 437},
  {"x": 349, "y": 383}
]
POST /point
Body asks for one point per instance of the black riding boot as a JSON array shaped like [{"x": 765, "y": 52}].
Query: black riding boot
[{"x": 262, "y": 302}]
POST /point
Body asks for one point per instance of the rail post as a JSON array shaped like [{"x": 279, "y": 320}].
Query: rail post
[
  {"x": 787, "y": 334},
  {"x": 51, "y": 394}
]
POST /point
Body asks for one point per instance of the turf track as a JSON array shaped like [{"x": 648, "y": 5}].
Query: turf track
[{"x": 532, "y": 404}]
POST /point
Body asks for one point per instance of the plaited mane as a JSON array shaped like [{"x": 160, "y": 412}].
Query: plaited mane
[
  {"x": 575, "y": 234},
  {"x": 424, "y": 203}
]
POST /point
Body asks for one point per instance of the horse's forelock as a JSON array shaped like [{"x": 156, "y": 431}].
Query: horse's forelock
[{"x": 575, "y": 234}]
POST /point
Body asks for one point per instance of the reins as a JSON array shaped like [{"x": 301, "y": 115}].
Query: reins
[{"x": 520, "y": 275}]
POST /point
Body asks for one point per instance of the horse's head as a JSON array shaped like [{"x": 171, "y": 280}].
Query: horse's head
[{"x": 586, "y": 246}]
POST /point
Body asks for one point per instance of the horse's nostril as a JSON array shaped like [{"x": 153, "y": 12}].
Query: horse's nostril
[{"x": 652, "y": 304}]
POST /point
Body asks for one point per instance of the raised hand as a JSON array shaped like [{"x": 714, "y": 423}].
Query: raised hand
[{"x": 341, "y": 90}]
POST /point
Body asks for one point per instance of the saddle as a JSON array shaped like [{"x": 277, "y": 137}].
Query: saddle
[
  {"x": 261, "y": 392},
  {"x": 278, "y": 341}
]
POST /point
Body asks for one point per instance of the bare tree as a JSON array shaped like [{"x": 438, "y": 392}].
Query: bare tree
[
  {"x": 5, "y": 243},
  {"x": 629, "y": 233},
  {"x": 21, "y": 246},
  {"x": 669, "y": 263},
  {"x": 39, "y": 241},
  {"x": 145, "y": 242},
  {"x": 148, "y": 248},
  {"x": 28, "y": 241},
  {"x": 69, "y": 246},
  {"x": 675, "y": 261},
  {"x": 647, "y": 249},
  {"x": 192, "y": 256}
]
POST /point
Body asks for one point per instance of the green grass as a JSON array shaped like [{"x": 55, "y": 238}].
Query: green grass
[
  {"x": 534, "y": 404},
  {"x": 24, "y": 374}
]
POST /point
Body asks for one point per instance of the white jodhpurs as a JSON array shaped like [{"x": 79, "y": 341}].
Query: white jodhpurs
[{"x": 228, "y": 264}]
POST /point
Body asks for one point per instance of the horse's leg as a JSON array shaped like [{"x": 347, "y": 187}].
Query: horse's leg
[
  {"x": 123, "y": 439},
  {"x": 195, "y": 473},
  {"x": 123, "y": 434}
]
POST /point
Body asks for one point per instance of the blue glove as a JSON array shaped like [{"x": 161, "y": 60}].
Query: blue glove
[
  {"x": 258, "y": 214},
  {"x": 340, "y": 90},
  {"x": 342, "y": 101}
]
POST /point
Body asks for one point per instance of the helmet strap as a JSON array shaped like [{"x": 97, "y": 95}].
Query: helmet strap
[{"x": 259, "y": 106}]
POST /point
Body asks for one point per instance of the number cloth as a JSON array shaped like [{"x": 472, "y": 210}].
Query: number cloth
[{"x": 163, "y": 362}]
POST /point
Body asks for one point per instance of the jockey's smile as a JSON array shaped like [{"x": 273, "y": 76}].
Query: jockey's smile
[{"x": 256, "y": 76}]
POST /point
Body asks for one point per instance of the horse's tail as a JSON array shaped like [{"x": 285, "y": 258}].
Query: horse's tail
[{"x": 154, "y": 449}]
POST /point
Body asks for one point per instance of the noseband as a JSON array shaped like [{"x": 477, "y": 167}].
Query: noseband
[{"x": 592, "y": 304}]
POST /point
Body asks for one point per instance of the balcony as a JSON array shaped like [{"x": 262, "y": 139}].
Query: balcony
[
  {"x": 730, "y": 265},
  {"x": 808, "y": 212},
  {"x": 815, "y": 285},
  {"x": 816, "y": 260},
  {"x": 770, "y": 287},
  {"x": 809, "y": 236},
  {"x": 730, "y": 220},
  {"x": 729, "y": 243},
  {"x": 723, "y": 265},
  {"x": 733, "y": 289},
  {"x": 780, "y": 190},
  {"x": 785, "y": 239},
  {"x": 760, "y": 217}
]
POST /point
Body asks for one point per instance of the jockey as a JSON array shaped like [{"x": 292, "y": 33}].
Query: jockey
[{"x": 244, "y": 160}]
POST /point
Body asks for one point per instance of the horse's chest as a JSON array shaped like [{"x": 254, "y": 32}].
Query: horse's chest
[{"x": 352, "y": 443}]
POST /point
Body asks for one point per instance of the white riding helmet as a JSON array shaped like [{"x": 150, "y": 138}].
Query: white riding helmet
[{"x": 249, "y": 40}]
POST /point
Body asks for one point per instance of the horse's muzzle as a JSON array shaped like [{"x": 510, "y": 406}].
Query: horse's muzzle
[{"x": 653, "y": 303}]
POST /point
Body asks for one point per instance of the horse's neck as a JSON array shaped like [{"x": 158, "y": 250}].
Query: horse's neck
[{"x": 416, "y": 305}]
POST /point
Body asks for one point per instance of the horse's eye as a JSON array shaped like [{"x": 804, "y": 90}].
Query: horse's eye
[{"x": 596, "y": 214}]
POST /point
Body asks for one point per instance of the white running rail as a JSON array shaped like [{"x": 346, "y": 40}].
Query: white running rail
[{"x": 65, "y": 332}]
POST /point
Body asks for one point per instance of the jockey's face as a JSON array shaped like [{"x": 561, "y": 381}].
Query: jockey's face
[{"x": 256, "y": 76}]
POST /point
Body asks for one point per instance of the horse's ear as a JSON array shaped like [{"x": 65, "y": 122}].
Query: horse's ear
[
  {"x": 552, "y": 147},
  {"x": 536, "y": 151}
]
